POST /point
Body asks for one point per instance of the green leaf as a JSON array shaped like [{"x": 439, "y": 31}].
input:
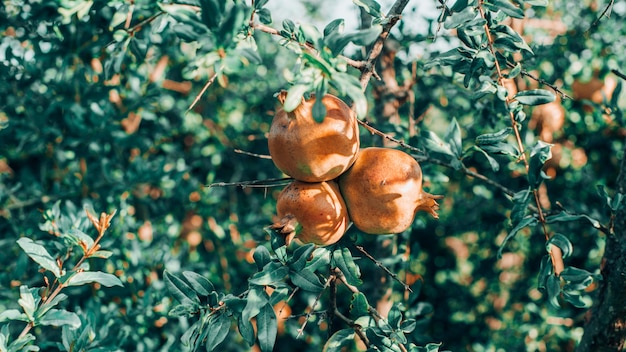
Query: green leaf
[
  {"x": 27, "y": 302},
  {"x": 506, "y": 7},
  {"x": 433, "y": 143},
  {"x": 335, "y": 27},
  {"x": 218, "y": 328},
  {"x": 261, "y": 257},
  {"x": 255, "y": 300},
  {"x": 319, "y": 109},
  {"x": 339, "y": 340},
  {"x": 495, "y": 166},
  {"x": 566, "y": 217},
  {"x": 12, "y": 314},
  {"x": 271, "y": 273},
  {"x": 342, "y": 259},
  {"x": 211, "y": 13},
  {"x": 40, "y": 255},
  {"x": 577, "y": 276},
  {"x": 246, "y": 330},
  {"x": 460, "y": 18},
  {"x": 562, "y": 242},
  {"x": 294, "y": 97},
  {"x": 372, "y": 7},
  {"x": 86, "y": 277},
  {"x": 179, "y": 289},
  {"x": 306, "y": 280},
  {"x": 312, "y": 35},
  {"x": 575, "y": 299},
  {"x": 265, "y": 16},
  {"x": 527, "y": 221},
  {"x": 534, "y": 97},
  {"x": 453, "y": 137},
  {"x": 199, "y": 283},
  {"x": 540, "y": 153},
  {"x": 350, "y": 85},
  {"x": 493, "y": 138},
  {"x": 301, "y": 256},
  {"x": 553, "y": 288},
  {"x": 59, "y": 317},
  {"x": 359, "y": 306},
  {"x": 520, "y": 200},
  {"x": 394, "y": 317},
  {"x": 230, "y": 27},
  {"x": 545, "y": 271},
  {"x": 501, "y": 148},
  {"x": 408, "y": 326},
  {"x": 267, "y": 326}
]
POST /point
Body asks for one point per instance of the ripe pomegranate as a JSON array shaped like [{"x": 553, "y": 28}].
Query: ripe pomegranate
[
  {"x": 383, "y": 191},
  {"x": 314, "y": 151},
  {"x": 312, "y": 212}
]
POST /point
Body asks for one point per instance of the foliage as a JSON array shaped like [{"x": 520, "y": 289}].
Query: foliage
[{"x": 155, "y": 113}]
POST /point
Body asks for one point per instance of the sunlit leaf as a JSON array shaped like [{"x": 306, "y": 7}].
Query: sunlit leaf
[
  {"x": 534, "y": 97},
  {"x": 340, "y": 339},
  {"x": 59, "y": 317},
  {"x": 40, "y": 255},
  {"x": 87, "y": 277},
  {"x": 372, "y": 7},
  {"x": 342, "y": 258}
]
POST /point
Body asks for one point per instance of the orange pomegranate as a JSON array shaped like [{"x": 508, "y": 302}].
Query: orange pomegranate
[
  {"x": 313, "y": 151},
  {"x": 313, "y": 212},
  {"x": 383, "y": 191}
]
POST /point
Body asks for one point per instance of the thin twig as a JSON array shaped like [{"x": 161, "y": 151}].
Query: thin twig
[
  {"x": 206, "y": 86},
  {"x": 384, "y": 268},
  {"x": 619, "y": 74},
  {"x": 308, "y": 315},
  {"x": 606, "y": 10},
  {"x": 261, "y": 156},
  {"x": 270, "y": 182}
]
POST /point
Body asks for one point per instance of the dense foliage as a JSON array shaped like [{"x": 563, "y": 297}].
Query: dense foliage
[{"x": 155, "y": 115}]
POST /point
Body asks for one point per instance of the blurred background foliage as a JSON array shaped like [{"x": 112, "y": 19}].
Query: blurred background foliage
[{"x": 88, "y": 118}]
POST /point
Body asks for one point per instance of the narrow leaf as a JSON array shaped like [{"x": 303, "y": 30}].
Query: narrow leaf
[
  {"x": 87, "y": 277},
  {"x": 267, "y": 326},
  {"x": 491, "y": 138},
  {"x": 342, "y": 258},
  {"x": 306, "y": 280},
  {"x": 218, "y": 328},
  {"x": 179, "y": 289},
  {"x": 535, "y": 97},
  {"x": 372, "y": 7},
  {"x": 199, "y": 283},
  {"x": 294, "y": 97},
  {"x": 527, "y": 221},
  {"x": 453, "y": 136},
  {"x": 40, "y": 255}
]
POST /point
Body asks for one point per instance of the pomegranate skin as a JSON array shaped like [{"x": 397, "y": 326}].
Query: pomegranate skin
[
  {"x": 312, "y": 212},
  {"x": 313, "y": 151},
  {"x": 383, "y": 191}
]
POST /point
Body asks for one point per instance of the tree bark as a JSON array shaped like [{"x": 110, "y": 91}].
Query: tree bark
[{"x": 605, "y": 328}]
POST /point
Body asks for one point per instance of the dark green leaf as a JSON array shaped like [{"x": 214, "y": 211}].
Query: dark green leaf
[
  {"x": 527, "y": 221},
  {"x": 86, "y": 277},
  {"x": 335, "y": 27},
  {"x": 492, "y": 138},
  {"x": 433, "y": 143},
  {"x": 300, "y": 256},
  {"x": 319, "y": 109},
  {"x": 562, "y": 242},
  {"x": 359, "y": 306},
  {"x": 265, "y": 16},
  {"x": 394, "y": 317},
  {"x": 521, "y": 200},
  {"x": 261, "y": 257},
  {"x": 565, "y": 217},
  {"x": 534, "y": 97},
  {"x": 183, "y": 310},
  {"x": 260, "y": 3},
  {"x": 553, "y": 289},
  {"x": 199, "y": 283},
  {"x": 495, "y": 166},
  {"x": 339, "y": 340},
  {"x": 350, "y": 85},
  {"x": 342, "y": 258},
  {"x": 40, "y": 255},
  {"x": 539, "y": 154},
  {"x": 460, "y": 18},
  {"x": 179, "y": 289},
  {"x": 255, "y": 300},
  {"x": 246, "y": 330},
  {"x": 545, "y": 271},
  {"x": 211, "y": 13},
  {"x": 306, "y": 280},
  {"x": 267, "y": 326},
  {"x": 501, "y": 148},
  {"x": 231, "y": 26},
  {"x": 459, "y": 5},
  {"x": 58, "y": 317},
  {"x": 218, "y": 328},
  {"x": 408, "y": 326},
  {"x": 577, "y": 275},
  {"x": 271, "y": 273}
]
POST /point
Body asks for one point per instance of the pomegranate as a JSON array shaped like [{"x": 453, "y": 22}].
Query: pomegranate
[
  {"x": 383, "y": 191},
  {"x": 312, "y": 212},
  {"x": 314, "y": 151}
]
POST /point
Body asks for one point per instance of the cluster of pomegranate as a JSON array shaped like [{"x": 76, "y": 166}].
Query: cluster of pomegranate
[{"x": 379, "y": 190}]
